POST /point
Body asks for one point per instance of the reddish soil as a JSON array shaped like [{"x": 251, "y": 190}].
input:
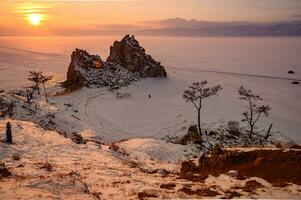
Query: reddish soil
[
  {"x": 276, "y": 166},
  {"x": 231, "y": 195},
  {"x": 168, "y": 186},
  {"x": 206, "y": 192},
  {"x": 145, "y": 195}
]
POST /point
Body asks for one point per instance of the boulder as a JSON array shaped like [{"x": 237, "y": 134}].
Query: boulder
[
  {"x": 122, "y": 95},
  {"x": 233, "y": 128},
  {"x": 233, "y": 173},
  {"x": 129, "y": 54},
  {"x": 296, "y": 82},
  {"x": 192, "y": 136},
  {"x": 4, "y": 172},
  {"x": 7, "y": 107},
  {"x": 290, "y": 72}
]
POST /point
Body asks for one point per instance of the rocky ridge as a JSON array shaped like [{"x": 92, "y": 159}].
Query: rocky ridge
[
  {"x": 126, "y": 64},
  {"x": 132, "y": 56}
]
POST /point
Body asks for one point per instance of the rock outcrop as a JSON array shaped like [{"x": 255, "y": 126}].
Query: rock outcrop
[
  {"x": 86, "y": 69},
  {"x": 129, "y": 54},
  {"x": 276, "y": 166},
  {"x": 79, "y": 58},
  {"x": 127, "y": 63}
]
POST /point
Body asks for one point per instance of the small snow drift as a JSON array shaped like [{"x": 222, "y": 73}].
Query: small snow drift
[{"x": 126, "y": 64}]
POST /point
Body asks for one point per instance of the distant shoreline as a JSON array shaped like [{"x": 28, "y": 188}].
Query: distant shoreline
[{"x": 242, "y": 74}]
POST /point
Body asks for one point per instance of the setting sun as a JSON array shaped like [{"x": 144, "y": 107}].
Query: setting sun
[{"x": 34, "y": 19}]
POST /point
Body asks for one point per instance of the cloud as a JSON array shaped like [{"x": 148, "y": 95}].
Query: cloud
[
  {"x": 30, "y": 7},
  {"x": 183, "y": 27},
  {"x": 116, "y": 26},
  {"x": 187, "y": 23},
  {"x": 296, "y": 16}
]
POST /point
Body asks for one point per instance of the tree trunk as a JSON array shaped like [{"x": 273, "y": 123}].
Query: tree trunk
[
  {"x": 268, "y": 133},
  {"x": 251, "y": 131},
  {"x": 45, "y": 92},
  {"x": 199, "y": 122},
  {"x": 38, "y": 88}
]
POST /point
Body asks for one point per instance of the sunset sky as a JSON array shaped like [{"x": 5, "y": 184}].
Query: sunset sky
[{"x": 52, "y": 16}]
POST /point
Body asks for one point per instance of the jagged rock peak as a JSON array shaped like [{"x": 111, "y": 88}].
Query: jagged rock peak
[
  {"x": 81, "y": 59},
  {"x": 129, "y": 54},
  {"x": 85, "y": 60}
]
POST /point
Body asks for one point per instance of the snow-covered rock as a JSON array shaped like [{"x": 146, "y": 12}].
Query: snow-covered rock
[
  {"x": 126, "y": 64},
  {"x": 121, "y": 95},
  {"x": 131, "y": 55}
]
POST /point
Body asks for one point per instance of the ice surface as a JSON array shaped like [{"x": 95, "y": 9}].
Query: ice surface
[{"x": 165, "y": 112}]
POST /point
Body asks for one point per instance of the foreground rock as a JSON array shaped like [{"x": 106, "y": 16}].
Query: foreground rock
[
  {"x": 6, "y": 107},
  {"x": 131, "y": 55},
  {"x": 276, "y": 166},
  {"x": 192, "y": 136},
  {"x": 126, "y": 64},
  {"x": 4, "y": 171}
]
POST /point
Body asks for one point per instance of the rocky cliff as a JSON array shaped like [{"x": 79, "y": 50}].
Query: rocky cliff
[
  {"x": 80, "y": 59},
  {"x": 127, "y": 63},
  {"x": 129, "y": 54},
  {"x": 85, "y": 69}
]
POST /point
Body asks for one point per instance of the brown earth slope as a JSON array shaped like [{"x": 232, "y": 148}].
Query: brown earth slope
[{"x": 276, "y": 166}]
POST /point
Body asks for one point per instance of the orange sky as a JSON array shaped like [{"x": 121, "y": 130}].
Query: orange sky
[{"x": 49, "y": 16}]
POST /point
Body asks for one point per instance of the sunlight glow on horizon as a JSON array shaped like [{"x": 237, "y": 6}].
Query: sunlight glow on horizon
[{"x": 69, "y": 16}]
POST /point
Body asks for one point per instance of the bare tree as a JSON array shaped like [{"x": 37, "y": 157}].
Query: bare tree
[
  {"x": 29, "y": 93},
  {"x": 44, "y": 79},
  {"x": 38, "y": 78},
  {"x": 252, "y": 115},
  {"x": 196, "y": 93},
  {"x": 35, "y": 77}
]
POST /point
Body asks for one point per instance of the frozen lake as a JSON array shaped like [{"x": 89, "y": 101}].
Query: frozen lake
[
  {"x": 259, "y": 63},
  {"x": 259, "y": 56}
]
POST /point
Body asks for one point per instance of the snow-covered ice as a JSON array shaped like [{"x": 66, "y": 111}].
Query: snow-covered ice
[{"x": 166, "y": 112}]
